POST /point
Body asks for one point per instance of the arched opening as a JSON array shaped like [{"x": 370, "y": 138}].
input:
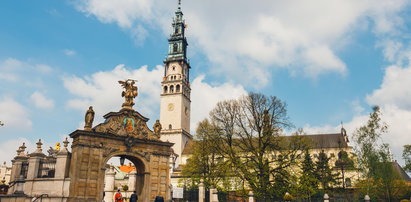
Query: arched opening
[
  {"x": 171, "y": 89},
  {"x": 175, "y": 47},
  {"x": 178, "y": 88},
  {"x": 165, "y": 89},
  {"x": 124, "y": 174},
  {"x": 170, "y": 127}
]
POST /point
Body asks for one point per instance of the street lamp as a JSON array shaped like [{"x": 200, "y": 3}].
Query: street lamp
[{"x": 122, "y": 158}]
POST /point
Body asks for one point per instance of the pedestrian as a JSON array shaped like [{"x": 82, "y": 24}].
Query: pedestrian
[
  {"x": 159, "y": 199},
  {"x": 118, "y": 197},
  {"x": 133, "y": 197}
]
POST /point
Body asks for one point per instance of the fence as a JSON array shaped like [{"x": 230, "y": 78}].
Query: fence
[{"x": 47, "y": 168}]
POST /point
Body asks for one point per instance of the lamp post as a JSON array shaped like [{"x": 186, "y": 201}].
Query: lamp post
[{"x": 122, "y": 158}]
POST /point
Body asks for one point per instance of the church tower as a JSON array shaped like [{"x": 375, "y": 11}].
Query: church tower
[{"x": 175, "y": 95}]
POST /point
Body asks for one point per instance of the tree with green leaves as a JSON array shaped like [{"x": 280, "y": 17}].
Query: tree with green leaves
[
  {"x": 205, "y": 163},
  {"x": 324, "y": 172},
  {"x": 344, "y": 163},
  {"x": 308, "y": 181},
  {"x": 249, "y": 132},
  {"x": 375, "y": 159},
  {"x": 406, "y": 155}
]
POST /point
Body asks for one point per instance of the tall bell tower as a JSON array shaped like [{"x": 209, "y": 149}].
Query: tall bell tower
[{"x": 175, "y": 95}]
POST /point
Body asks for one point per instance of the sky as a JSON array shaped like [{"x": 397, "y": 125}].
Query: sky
[{"x": 330, "y": 61}]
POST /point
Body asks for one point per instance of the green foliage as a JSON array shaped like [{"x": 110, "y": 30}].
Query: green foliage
[
  {"x": 324, "y": 172},
  {"x": 248, "y": 133},
  {"x": 375, "y": 160},
  {"x": 406, "y": 155},
  {"x": 308, "y": 181},
  {"x": 125, "y": 187},
  {"x": 344, "y": 163},
  {"x": 205, "y": 163}
]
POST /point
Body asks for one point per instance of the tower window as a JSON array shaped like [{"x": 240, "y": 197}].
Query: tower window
[
  {"x": 178, "y": 88},
  {"x": 175, "y": 47},
  {"x": 170, "y": 127},
  {"x": 165, "y": 89},
  {"x": 174, "y": 68},
  {"x": 171, "y": 89}
]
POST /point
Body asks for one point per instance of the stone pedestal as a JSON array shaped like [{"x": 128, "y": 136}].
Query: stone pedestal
[
  {"x": 62, "y": 162},
  {"x": 109, "y": 184},
  {"x": 132, "y": 179},
  {"x": 201, "y": 192},
  {"x": 250, "y": 196},
  {"x": 213, "y": 195}
]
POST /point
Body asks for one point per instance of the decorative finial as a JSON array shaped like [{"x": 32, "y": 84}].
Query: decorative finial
[
  {"x": 88, "y": 119},
  {"x": 18, "y": 151},
  {"x": 1, "y": 123},
  {"x": 129, "y": 93},
  {"x": 23, "y": 147},
  {"x": 65, "y": 143},
  {"x": 39, "y": 150}
]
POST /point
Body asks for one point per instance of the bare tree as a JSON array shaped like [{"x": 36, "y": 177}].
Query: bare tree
[{"x": 249, "y": 135}]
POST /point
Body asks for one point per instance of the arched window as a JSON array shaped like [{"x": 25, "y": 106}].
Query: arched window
[
  {"x": 165, "y": 89},
  {"x": 348, "y": 182},
  {"x": 171, "y": 89},
  {"x": 175, "y": 47},
  {"x": 170, "y": 127},
  {"x": 177, "y": 88}
]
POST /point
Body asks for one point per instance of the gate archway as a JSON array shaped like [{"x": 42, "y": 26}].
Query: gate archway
[{"x": 124, "y": 133}]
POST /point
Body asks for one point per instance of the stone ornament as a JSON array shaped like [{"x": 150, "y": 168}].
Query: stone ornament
[
  {"x": 88, "y": 119},
  {"x": 129, "y": 93},
  {"x": 127, "y": 123},
  {"x": 157, "y": 128}
]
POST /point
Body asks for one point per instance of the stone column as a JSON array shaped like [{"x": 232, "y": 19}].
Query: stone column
[
  {"x": 132, "y": 179},
  {"x": 19, "y": 186},
  {"x": 201, "y": 192},
  {"x": 213, "y": 195},
  {"x": 63, "y": 159},
  {"x": 109, "y": 185},
  {"x": 250, "y": 196},
  {"x": 326, "y": 197}
]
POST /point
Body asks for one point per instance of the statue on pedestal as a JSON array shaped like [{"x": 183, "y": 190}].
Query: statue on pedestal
[
  {"x": 157, "y": 128},
  {"x": 88, "y": 119},
  {"x": 129, "y": 93}
]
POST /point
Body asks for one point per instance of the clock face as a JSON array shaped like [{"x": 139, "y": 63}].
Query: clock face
[{"x": 170, "y": 107}]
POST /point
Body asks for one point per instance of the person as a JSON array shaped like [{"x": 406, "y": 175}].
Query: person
[
  {"x": 159, "y": 199},
  {"x": 118, "y": 197},
  {"x": 133, "y": 197}
]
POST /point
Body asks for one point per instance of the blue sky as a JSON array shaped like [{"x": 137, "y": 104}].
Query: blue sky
[{"x": 330, "y": 61}]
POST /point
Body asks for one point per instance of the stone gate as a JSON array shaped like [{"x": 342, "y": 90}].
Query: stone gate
[{"x": 124, "y": 134}]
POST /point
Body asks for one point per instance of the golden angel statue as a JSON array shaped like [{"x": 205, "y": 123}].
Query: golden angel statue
[{"x": 129, "y": 93}]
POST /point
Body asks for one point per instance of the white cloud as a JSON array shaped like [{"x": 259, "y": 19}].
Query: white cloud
[
  {"x": 8, "y": 148},
  {"x": 138, "y": 34},
  {"x": 394, "y": 99},
  {"x": 251, "y": 38},
  {"x": 44, "y": 68},
  {"x": 69, "y": 52},
  {"x": 14, "y": 115},
  {"x": 102, "y": 91},
  {"x": 41, "y": 101},
  {"x": 394, "y": 90},
  {"x": 205, "y": 97}
]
